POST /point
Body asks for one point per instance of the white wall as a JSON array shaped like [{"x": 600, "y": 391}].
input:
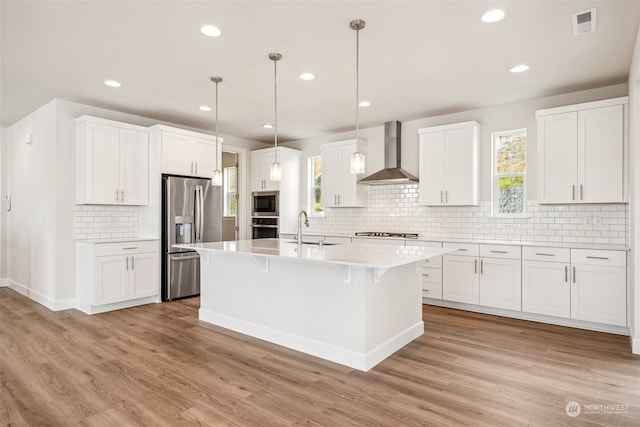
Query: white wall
[
  {"x": 634, "y": 194},
  {"x": 37, "y": 252},
  {"x": 3, "y": 209}
]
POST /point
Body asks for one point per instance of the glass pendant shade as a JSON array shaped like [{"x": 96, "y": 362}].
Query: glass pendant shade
[
  {"x": 357, "y": 163},
  {"x": 275, "y": 173},
  {"x": 216, "y": 179}
]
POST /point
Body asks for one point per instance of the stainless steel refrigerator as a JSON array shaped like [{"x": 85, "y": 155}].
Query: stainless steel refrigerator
[{"x": 191, "y": 213}]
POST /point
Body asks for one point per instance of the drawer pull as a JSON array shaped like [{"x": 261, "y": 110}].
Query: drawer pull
[
  {"x": 426, "y": 290},
  {"x": 499, "y": 252},
  {"x": 541, "y": 254},
  {"x": 574, "y": 274},
  {"x": 462, "y": 250},
  {"x": 566, "y": 274},
  {"x": 597, "y": 257},
  {"x": 425, "y": 274},
  {"x": 131, "y": 248}
]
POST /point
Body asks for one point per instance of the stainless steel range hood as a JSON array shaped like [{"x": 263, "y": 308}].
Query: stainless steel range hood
[{"x": 392, "y": 172}]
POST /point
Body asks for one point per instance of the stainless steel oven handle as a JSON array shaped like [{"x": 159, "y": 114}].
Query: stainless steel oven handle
[
  {"x": 263, "y": 226},
  {"x": 184, "y": 258}
]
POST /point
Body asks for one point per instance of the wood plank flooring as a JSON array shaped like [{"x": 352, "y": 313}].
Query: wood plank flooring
[{"x": 158, "y": 365}]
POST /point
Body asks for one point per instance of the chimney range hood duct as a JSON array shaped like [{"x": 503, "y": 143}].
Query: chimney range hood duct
[{"x": 392, "y": 172}]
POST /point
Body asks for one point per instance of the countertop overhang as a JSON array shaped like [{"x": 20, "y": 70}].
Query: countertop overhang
[{"x": 370, "y": 255}]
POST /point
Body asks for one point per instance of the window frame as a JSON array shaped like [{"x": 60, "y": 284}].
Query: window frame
[
  {"x": 311, "y": 188},
  {"x": 226, "y": 193},
  {"x": 495, "y": 176}
]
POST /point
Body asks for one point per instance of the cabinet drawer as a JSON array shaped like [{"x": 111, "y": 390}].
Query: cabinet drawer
[
  {"x": 541, "y": 253},
  {"x": 500, "y": 251},
  {"x": 431, "y": 274},
  {"x": 432, "y": 290},
  {"x": 123, "y": 248},
  {"x": 465, "y": 249},
  {"x": 435, "y": 262},
  {"x": 598, "y": 257}
]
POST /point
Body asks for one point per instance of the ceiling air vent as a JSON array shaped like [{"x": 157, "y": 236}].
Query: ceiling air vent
[{"x": 584, "y": 22}]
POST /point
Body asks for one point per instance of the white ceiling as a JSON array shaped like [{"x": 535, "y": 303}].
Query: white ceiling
[{"x": 417, "y": 58}]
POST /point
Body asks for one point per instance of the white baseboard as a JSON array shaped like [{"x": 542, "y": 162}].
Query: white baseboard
[
  {"x": 600, "y": 327},
  {"x": 51, "y": 304},
  {"x": 344, "y": 356}
]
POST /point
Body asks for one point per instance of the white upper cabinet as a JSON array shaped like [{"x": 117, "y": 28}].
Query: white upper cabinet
[
  {"x": 340, "y": 187},
  {"x": 261, "y": 161},
  {"x": 581, "y": 153},
  {"x": 449, "y": 164},
  {"x": 188, "y": 153},
  {"x": 112, "y": 162}
]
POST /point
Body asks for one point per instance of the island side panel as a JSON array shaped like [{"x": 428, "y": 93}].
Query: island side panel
[
  {"x": 393, "y": 311},
  {"x": 307, "y": 306},
  {"x": 298, "y": 304}
]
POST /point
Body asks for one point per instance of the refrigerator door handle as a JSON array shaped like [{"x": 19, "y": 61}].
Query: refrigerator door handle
[{"x": 199, "y": 217}]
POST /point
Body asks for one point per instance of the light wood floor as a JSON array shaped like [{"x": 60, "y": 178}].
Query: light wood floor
[{"x": 157, "y": 365}]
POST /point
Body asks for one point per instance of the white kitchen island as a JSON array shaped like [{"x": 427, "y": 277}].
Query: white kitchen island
[{"x": 354, "y": 304}]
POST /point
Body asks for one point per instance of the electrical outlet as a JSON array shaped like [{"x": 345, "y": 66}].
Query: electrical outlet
[
  {"x": 587, "y": 220},
  {"x": 597, "y": 221}
]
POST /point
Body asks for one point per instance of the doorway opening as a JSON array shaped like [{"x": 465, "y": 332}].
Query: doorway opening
[{"x": 231, "y": 200}]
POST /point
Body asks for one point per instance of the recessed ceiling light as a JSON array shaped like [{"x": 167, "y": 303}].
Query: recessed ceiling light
[
  {"x": 211, "y": 31},
  {"x": 492, "y": 16},
  {"x": 112, "y": 83},
  {"x": 364, "y": 103},
  {"x": 267, "y": 126},
  {"x": 205, "y": 108},
  {"x": 519, "y": 68},
  {"x": 307, "y": 76}
]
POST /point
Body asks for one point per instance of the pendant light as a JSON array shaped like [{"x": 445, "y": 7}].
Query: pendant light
[
  {"x": 216, "y": 179},
  {"x": 275, "y": 172},
  {"x": 357, "y": 158}
]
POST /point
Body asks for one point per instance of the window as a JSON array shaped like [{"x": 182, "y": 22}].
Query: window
[
  {"x": 230, "y": 191},
  {"x": 315, "y": 188},
  {"x": 509, "y": 173}
]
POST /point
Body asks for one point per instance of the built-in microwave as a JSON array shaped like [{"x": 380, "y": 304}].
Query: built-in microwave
[{"x": 264, "y": 203}]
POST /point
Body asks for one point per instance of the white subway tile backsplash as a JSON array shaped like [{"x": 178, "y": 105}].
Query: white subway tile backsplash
[
  {"x": 105, "y": 222},
  {"x": 396, "y": 208}
]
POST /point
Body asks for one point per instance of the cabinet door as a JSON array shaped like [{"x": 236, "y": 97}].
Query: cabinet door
[
  {"x": 111, "y": 279},
  {"x": 557, "y": 158},
  {"x": 330, "y": 176},
  {"x": 103, "y": 164},
  {"x": 134, "y": 167},
  {"x": 598, "y": 294},
  {"x": 460, "y": 279},
  {"x": 600, "y": 155},
  {"x": 144, "y": 275},
  {"x": 546, "y": 289},
  {"x": 500, "y": 283},
  {"x": 347, "y": 182},
  {"x": 177, "y": 154},
  {"x": 432, "y": 168},
  {"x": 460, "y": 167},
  {"x": 204, "y": 158}
]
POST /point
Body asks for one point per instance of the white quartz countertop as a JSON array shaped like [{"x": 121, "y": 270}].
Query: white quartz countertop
[
  {"x": 370, "y": 255},
  {"x": 118, "y": 240}
]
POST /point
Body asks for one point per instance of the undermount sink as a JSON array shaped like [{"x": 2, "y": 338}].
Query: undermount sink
[{"x": 312, "y": 243}]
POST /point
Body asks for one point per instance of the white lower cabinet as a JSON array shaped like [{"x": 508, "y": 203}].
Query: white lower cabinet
[
  {"x": 460, "y": 278},
  {"x": 112, "y": 275},
  {"x": 431, "y": 272},
  {"x": 500, "y": 276},
  {"x": 580, "y": 284},
  {"x": 599, "y": 286},
  {"x": 546, "y": 287}
]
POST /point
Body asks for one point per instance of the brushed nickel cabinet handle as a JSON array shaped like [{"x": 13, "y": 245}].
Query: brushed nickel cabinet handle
[
  {"x": 597, "y": 257},
  {"x": 566, "y": 274},
  {"x": 573, "y": 192},
  {"x": 127, "y": 264},
  {"x": 499, "y": 252},
  {"x": 481, "y": 266},
  {"x": 581, "y": 198},
  {"x": 425, "y": 274},
  {"x": 574, "y": 274},
  {"x": 133, "y": 265},
  {"x": 475, "y": 266},
  {"x": 541, "y": 254}
]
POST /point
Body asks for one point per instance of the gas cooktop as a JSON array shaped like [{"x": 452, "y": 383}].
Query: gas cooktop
[{"x": 386, "y": 234}]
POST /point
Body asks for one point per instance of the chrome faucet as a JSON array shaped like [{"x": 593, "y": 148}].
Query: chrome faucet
[{"x": 306, "y": 224}]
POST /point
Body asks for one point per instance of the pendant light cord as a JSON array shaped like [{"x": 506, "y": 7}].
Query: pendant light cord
[
  {"x": 357, "y": 80},
  {"x": 216, "y": 134},
  {"x": 275, "y": 105}
]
